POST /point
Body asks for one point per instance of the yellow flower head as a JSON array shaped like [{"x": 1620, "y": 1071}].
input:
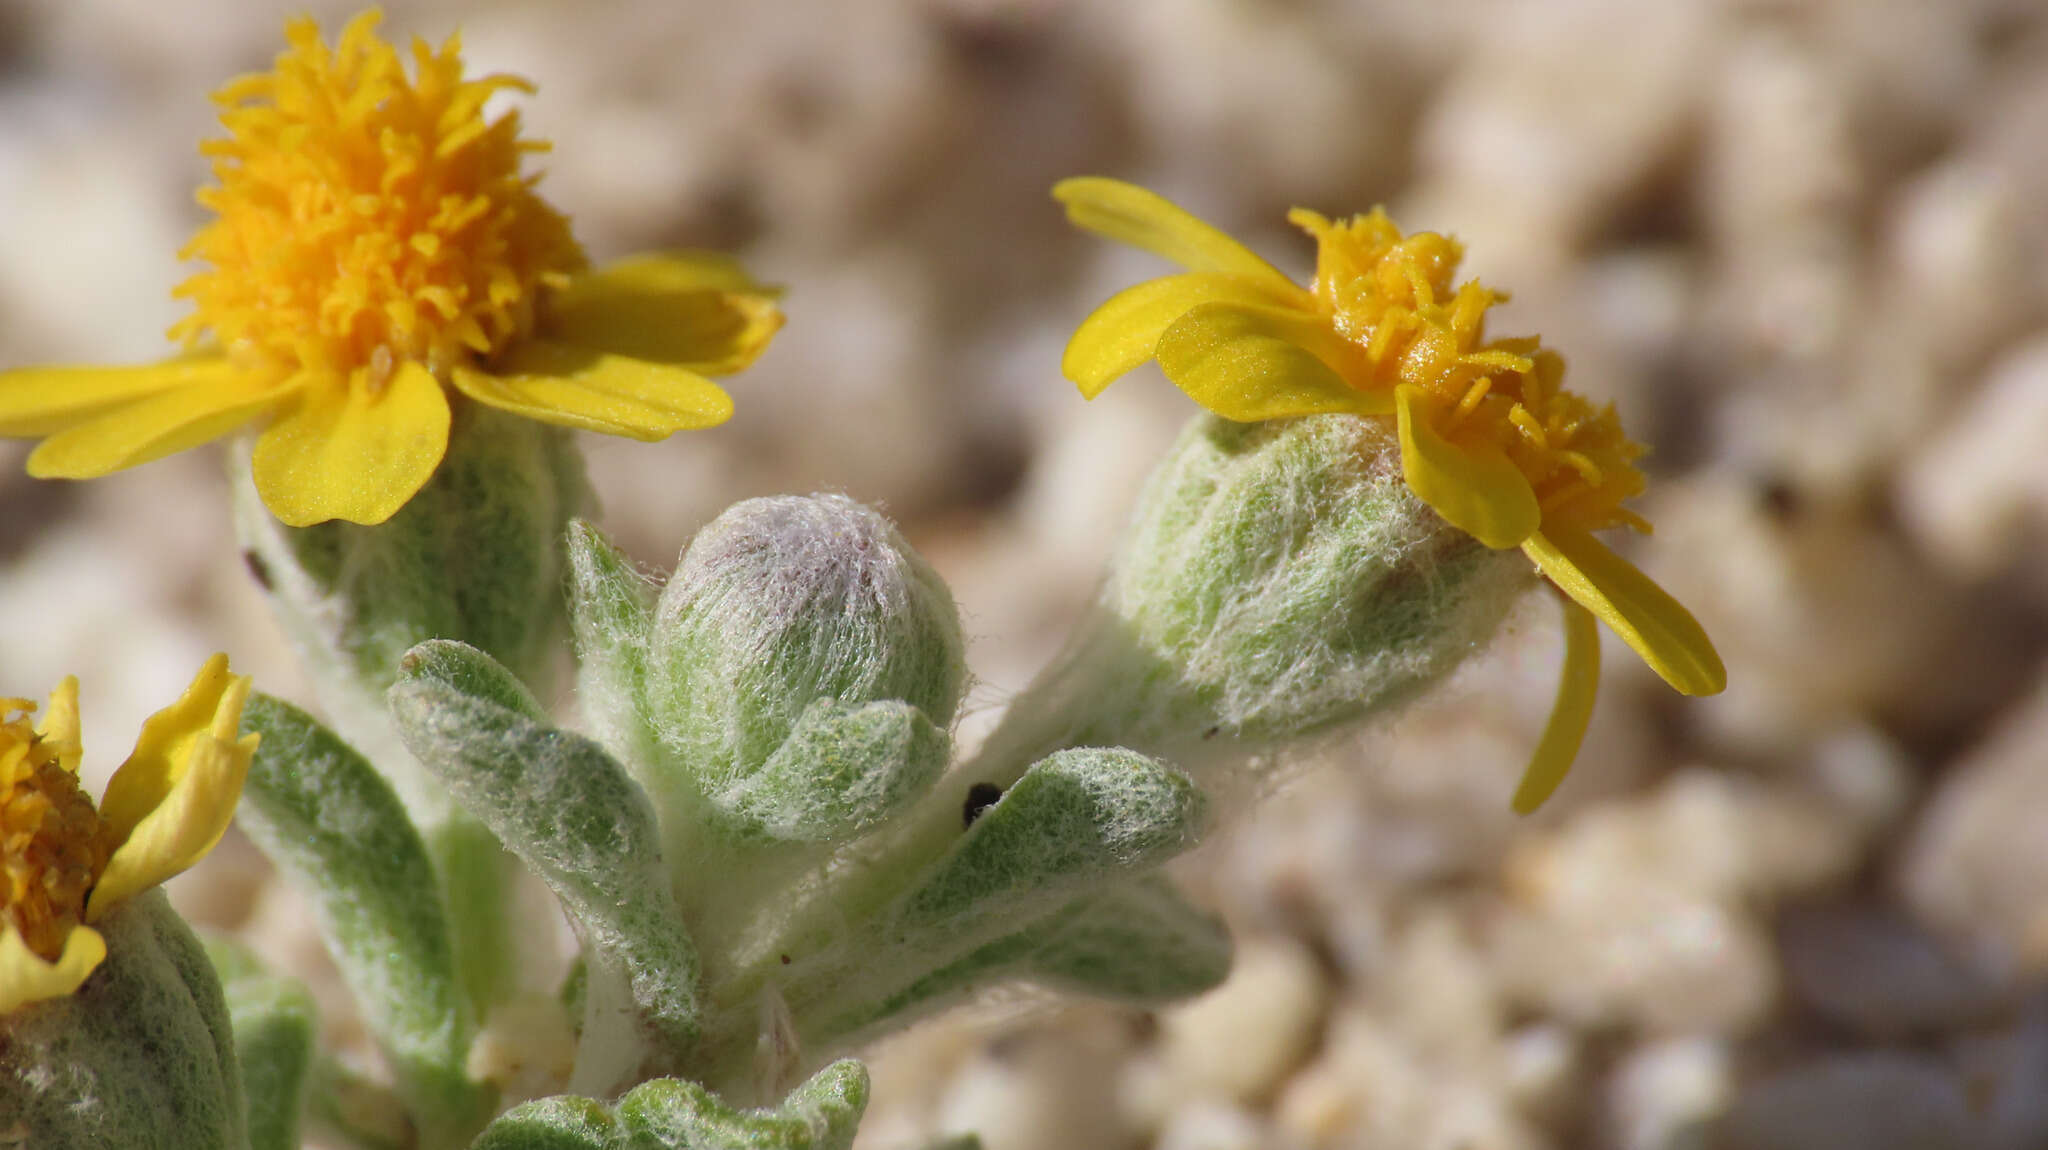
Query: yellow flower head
[
  {"x": 376, "y": 246},
  {"x": 366, "y": 219},
  {"x": 63, "y": 864},
  {"x": 1489, "y": 436}
]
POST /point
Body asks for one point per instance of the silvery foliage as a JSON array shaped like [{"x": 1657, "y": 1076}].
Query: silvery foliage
[{"x": 759, "y": 837}]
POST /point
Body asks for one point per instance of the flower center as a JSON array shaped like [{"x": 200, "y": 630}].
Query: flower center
[
  {"x": 52, "y": 843},
  {"x": 365, "y": 219},
  {"x": 1394, "y": 297}
]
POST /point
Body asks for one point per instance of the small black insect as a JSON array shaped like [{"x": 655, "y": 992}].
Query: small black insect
[{"x": 980, "y": 797}]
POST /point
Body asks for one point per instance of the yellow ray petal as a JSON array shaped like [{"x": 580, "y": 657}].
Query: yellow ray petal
[
  {"x": 615, "y": 394},
  {"x": 1254, "y": 363},
  {"x": 1125, "y": 330},
  {"x": 25, "y": 977},
  {"x": 167, "y": 737},
  {"x": 190, "y": 780},
  {"x": 42, "y": 401},
  {"x": 672, "y": 271},
  {"x": 689, "y": 309},
  {"x": 1660, "y": 629},
  {"x": 1144, "y": 219},
  {"x": 351, "y": 451},
  {"x": 1473, "y": 485},
  {"x": 59, "y": 727},
  {"x": 1569, "y": 715},
  {"x": 153, "y": 426}
]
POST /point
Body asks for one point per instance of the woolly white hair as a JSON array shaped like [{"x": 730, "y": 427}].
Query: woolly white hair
[{"x": 1279, "y": 581}]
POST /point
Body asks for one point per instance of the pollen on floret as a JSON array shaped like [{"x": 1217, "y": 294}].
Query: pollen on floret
[
  {"x": 365, "y": 218},
  {"x": 53, "y": 846},
  {"x": 1394, "y": 296}
]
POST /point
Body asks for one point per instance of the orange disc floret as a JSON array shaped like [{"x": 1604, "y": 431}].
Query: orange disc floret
[
  {"x": 53, "y": 847},
  {"x": 1394, "y": 297},
  {"x": 364, "y": 219}
]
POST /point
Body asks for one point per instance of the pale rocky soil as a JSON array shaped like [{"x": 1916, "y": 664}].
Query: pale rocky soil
[{"x": 1799, "y": 243}]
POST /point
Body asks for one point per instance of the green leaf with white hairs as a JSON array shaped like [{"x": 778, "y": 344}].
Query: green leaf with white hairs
[
  {"x": 564, "y": 1122},
  {"x": 1076, "y": 817},
  {"x": 611, "y": 608},
  {"x": 821, "y": 1114},
  {"x": 844, "y": 768},
  {"x": 468, "y": 671},
  {"x": 337, "y": 831},
  {"x": 275, "y": 1024},
  {"x": 672, "y": 1114},
  {"x": 1028, "y": 868},
  {"x": 1139, "y": 943},
  {"x": 565, "y": 806}
]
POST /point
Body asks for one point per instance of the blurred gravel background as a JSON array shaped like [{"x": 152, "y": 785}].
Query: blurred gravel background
[{"x": 1800, "y": 243}]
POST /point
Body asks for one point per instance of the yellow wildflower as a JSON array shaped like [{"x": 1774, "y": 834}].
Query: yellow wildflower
[
  {"x": 375, "y": 245},
  {"x": 64, "y": 865},
  {"x": 1488, "y": 436}
]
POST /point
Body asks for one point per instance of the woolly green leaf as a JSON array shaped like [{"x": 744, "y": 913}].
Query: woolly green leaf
[
  {"x": 673, "y": 1114},
  {"x": 1075, "y": 817},
  {"x": 1140, "y": 943},
  {"x": 567, "y": 808},
  {"x": 611, "y": 607},
  {"x": 821, "y": 1114},
  {"x": 335, "y": 828},
  {"x": 559, "y": 1123},
  {"x": 274, "y": 1022},
  {"x": 468, "y": 671},
  {"x": 845, "y": 767}
]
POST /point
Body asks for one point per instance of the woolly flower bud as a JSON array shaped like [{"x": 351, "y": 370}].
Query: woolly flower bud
[
  {"x": 1278, "y": 580},
  {"x": 784, "y": 601}
]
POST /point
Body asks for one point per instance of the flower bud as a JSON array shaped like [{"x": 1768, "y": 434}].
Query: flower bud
[{"x": 781, "y": 602}]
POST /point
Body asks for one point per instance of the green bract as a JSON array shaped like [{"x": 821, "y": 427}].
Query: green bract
[
  {"x": 1278, "y": 581},
  {"x": 142, "y": 1056}
]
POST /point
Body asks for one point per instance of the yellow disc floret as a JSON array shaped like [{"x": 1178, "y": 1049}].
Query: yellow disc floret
[
  {"x": 1393, "y": 296},
  {"x": 52, "y": 846},
  {"x": 365, "y": 219}
]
